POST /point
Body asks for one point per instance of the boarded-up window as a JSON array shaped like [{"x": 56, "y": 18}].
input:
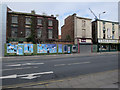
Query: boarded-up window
[
  {"x": 14, "y": 31},
  {"x": 27, "y": 20},
  {"x": 27, "y": 32},
  {"x": 83, "y": 23},
  {"x": 39, "y": 21},
  {"x": 39, "y": 33},
  {"x": 50, "y": 23},
  {"x": 50, "y": 34},
  {"x": 15, "y": 19},
  {"x": 83, "y": 33}
]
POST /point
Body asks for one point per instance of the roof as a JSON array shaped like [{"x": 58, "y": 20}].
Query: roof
[
  {"x": 30, "y": 14},
  {"x": 83, "y": 18},
  {"x": 107, "y": 21}
]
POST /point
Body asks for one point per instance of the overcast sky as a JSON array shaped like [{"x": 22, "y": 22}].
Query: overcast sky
[{"x": 65, "y": 9}]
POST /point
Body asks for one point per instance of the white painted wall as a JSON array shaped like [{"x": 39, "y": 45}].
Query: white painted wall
[
  {"x": 108, "y": 25},
  {"x": 78, "y": 29}
]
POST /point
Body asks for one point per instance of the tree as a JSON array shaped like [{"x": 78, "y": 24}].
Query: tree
[
  {"x": 32, "y": 37},
  {"x": 68, "y": 37}
]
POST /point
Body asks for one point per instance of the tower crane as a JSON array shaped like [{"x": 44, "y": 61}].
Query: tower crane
[{"x": 93, "y": 14}]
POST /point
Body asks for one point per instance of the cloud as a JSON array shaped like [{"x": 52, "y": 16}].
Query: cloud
[{"x": 65, "y": 9}]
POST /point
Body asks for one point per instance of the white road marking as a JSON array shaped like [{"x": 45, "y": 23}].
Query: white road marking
[
  {"x": 71, "y": 64},
  {"x": 30, "y": 77},
  {"x": 78, "y": 63},
  {"x": 26, "y": 76},
  {"x": 59, "y": 64},
  {"x": 16, "y": 65},
  {"x": 10, "y": 76},
  {"x": 18, "y": 68}
]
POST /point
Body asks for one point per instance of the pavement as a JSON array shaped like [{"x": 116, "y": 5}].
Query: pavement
[
  {"x": 56, "y": 56},
  {"x": 106, "y": 79}
]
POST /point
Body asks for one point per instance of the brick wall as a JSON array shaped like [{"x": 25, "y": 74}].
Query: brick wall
[
  {"x": 68, "y": 28},
  {"x": 21, "y": 26}
]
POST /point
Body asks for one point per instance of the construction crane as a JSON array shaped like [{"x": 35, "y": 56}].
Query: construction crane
[{"x": 93, "y": 14}]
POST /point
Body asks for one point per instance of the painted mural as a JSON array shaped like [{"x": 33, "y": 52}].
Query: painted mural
[
  {"x": 45, "y": 48},
  {"x": 60, "y": 48},
  {"x": 68, "y": 49},
  {"x": 20, "y": 49},
  {"x": 11, "y": 48},
  {"x": 28, "y": 48},
  {"x": 65, "y": 47}
]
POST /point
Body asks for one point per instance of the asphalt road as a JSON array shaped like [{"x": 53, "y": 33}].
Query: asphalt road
[{"x": 25, "y": 71}]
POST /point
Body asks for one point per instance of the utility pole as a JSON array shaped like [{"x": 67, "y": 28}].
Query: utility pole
[
  {"x": 99, "y": 24},
  {"x": 100, "y": 31}
]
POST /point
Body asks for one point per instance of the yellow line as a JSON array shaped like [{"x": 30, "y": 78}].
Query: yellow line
[{"x": 52, "y": 81}]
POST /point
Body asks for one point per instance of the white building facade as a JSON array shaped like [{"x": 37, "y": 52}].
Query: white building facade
[
  {"x": 83, "y": 34},
  {"x": 106, "y": 35}
]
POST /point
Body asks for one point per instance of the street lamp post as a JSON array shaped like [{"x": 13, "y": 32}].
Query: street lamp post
[{"x": 100, "y": 29}]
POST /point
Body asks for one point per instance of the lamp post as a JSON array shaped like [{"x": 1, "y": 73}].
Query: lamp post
[{"x": 100, "y": 29}]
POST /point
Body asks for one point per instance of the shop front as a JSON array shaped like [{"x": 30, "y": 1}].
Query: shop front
[
  {"x": 84, "y": 45},
  {"x": 108, "y": 45}
]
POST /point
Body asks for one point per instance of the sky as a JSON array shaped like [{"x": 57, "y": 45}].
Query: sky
[{"x": 64, "y": 9}]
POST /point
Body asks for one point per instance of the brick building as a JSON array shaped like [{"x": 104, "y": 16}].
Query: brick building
[
  {"x": 67, "y": 30},
  {"x": 19, "y": 27},
  {"x": 78, "y": 30}
]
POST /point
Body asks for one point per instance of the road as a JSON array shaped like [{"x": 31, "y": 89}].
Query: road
[{"x": 34, "y": 70}]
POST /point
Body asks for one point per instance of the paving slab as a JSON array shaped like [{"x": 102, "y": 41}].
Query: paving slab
[{"x": 97, "y": 80}]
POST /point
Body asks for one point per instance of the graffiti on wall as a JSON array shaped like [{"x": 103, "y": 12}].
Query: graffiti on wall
[
  {"x": 11, "y": 48},
  {"x": 44, "y": 48},
  {"x": 59, "y": 48},
  {"x": 28, "y": 48}
]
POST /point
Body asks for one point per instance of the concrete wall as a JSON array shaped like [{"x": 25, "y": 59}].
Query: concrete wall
[
  {"x": 88, "y": 31},
  {"x": 3, "y": 16},
  {"x": 78, "y": 29}
]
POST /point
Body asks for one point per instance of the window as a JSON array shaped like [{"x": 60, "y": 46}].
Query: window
[
  {"x": 103, "y": 34},
  {"x": 39, "y": 21},
  {"x": 39, "y": 33},
  {"x": 14, "y": 19},
  {"x": 108, "y": 33},
  {"x": 14, "y": 32},
  {"x": 50, "y": 23},
  {"x": 83, "y": 23},
  {"x": 113, "y": 34},
  {"x": 113, "y": 28},
  {"x": 104, "y": 47},
  {"x": 113, "y": 47},
  {"x": 83, "y": 33},
  {"x": 27, "y": 32},
  {"x": 27, "y": 20},
  {"x": 50, "y": 34},
  {"x": 103, "y": 25}
]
